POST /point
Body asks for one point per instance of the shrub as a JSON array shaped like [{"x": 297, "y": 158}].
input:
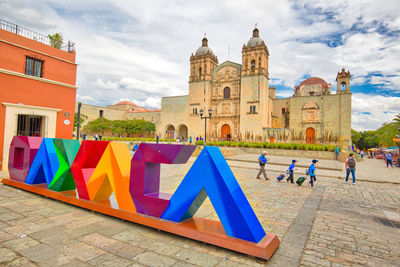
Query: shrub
[{"x": 199, "y": 143}]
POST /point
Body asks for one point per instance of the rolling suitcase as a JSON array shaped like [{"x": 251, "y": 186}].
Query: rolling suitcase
[{"x": 300, "y": 181}]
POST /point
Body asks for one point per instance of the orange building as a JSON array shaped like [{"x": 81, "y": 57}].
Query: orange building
[{"x": 37, "y": 87}]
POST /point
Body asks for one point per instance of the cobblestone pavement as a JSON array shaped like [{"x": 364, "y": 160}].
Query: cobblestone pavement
[{"x": 336, "y": 224}]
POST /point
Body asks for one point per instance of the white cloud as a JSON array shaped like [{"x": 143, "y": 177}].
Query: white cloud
[
  {"x": 369, "y": 112},
  {"x": 106, "y": 85}
]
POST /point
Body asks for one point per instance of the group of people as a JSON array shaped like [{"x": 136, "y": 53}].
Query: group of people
[{"x": 311, "y": 171}]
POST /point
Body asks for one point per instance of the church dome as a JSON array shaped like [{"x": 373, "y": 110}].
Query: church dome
[
  {"x": 314, "y": 80},
  {"x": 255, "y": 40},
  {"x": 204, "y": 49}
]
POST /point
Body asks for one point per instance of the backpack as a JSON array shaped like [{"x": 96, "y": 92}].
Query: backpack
[{"x": 351, "y": 163}]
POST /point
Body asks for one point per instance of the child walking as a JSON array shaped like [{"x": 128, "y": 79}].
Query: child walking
[
  {"x": 312, "y": 170},
  {"x": 291, "y": 171}
]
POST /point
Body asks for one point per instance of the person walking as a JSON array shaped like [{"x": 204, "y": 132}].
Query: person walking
[
  {"x": 337, "y": 151},
  {"x": 100, "y": 136},
  {"x": 136, "y": 146},
  {"x": 262, "y": 160},
  {"x": 291, "y": 171},
  {"x": 351, "y": 168},
  {"x": 157, "y": 139},
  {"x": 95, "y": 136},
  {"x": 389, "y": 159},
  {"x": 312, "y": 169}
]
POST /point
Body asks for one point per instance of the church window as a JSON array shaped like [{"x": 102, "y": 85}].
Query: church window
[
  {"x": 195, "y": 111},
  {"x": 251, "y": 109},
  {"x": 259, "y": 62},
  {"x": 227, "y": 92},
  {"x": 254, "y": 109},
  {"x": 283, "y": 111},
  {"x": 343, "y": 86},
  {"x": 200, "y": 71},
  {"x": 253, "y": 65}
]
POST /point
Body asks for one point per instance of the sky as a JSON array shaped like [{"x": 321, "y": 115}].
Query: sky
[{"x": 139, "y": 50}]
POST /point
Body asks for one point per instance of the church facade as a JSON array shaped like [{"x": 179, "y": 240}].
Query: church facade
[{"x": 245, "y": 108}]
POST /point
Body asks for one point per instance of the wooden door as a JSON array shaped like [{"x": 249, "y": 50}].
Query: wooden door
[
  {"x": 310, "y": 136},
  {"x": 225, "y": 131}
]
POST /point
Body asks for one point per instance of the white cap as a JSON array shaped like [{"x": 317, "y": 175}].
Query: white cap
[{"x": 265, "y": 152}]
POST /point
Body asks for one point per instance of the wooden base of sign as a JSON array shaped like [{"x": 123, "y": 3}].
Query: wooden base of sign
[{"x": 204, "y": 230}]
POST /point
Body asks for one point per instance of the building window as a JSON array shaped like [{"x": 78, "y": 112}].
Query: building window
[
  {"x": 253, "y": 65},
  {"x": 227, "y": 92},
  {"x": 254, "y": 109},
  {"x": 199, "y": 71},
  {"x": 33, "y": 67},
  {"x": 195, "y": 111},
  {"x": 101, "y": 113},
  {"x": 67, "y": 114},
  {"x": 283, "y": 111},
  {"x": 259, "y": 62},
  {"x": 29, "y": 125}
]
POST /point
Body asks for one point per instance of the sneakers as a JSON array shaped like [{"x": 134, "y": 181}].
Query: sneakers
[
  {"x": 345, "y": 181},
  {"x": 354, "y": 183},
  {"x": 258, "y": 177}
]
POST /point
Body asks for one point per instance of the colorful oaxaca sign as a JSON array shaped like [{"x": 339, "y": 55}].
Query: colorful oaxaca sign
[{"x": 87, "y": 175}]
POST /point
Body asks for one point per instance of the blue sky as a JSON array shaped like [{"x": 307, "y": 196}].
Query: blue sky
[{"x": 139, "y": 50}]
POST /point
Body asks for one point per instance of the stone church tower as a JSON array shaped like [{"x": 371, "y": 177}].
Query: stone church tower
[
  {"x": 343, "y": 81},
  {"x": 201, "y": 65},
  {"x": 255, "y": 106}
]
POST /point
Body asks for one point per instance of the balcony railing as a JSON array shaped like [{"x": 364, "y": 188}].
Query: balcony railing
[{"x": 17, "y": 29}]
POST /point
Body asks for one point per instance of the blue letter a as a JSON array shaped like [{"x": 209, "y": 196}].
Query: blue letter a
[
  {"x": 210, "y": 175},
  {"x": 45, "y": 164}
]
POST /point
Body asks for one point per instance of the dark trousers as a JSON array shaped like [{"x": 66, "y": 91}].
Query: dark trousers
[
  {"x": 389, "y": 162},
  {"x": 312, "y": 180},
  {"x": 290, "y": 178}
]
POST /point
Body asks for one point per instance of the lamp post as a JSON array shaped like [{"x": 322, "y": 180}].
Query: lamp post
[
  {"x": 78, "y": 124},
  {"x": 205, "y": 122}
]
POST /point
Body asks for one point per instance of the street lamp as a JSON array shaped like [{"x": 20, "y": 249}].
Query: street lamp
[{"x": 205, "y": 122}]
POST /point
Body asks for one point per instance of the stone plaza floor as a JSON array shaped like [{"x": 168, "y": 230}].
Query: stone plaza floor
[{"x": 333, "y": 224}]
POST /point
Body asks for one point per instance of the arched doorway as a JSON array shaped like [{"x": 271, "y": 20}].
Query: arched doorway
[
  {"x": 170, "y": 133},
  {"x": 310, "y": 136},
  {"x": 183, "y": 133},
  {"x": 225, "y": 132}
]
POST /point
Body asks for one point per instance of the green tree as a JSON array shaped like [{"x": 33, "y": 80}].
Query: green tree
[
  {"x": 397, "y": 118},
  {"x": 82, "y": 119},
  {"x": 56, "y": 40},
  {"x": 355, "y": 136}
]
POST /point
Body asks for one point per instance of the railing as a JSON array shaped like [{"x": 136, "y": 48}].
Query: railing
[{"x": 17, "y": 29}]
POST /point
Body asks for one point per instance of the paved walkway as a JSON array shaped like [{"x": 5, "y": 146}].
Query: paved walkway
[
  {"x": 372, "y": 170},
  {"x": 335, "y": 224}
]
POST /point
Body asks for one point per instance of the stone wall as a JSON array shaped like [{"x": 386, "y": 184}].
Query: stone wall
[
  {"x": 174, "y": 113},
  {"x": 153, "y": 117}
]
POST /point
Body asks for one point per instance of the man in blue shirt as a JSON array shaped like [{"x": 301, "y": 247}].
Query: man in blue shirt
[
  {"x": 262, "y": 160},
  {"x": 136, "y": 146},
  {"x": 312, "y": 170},
  {"x": 337, "y": 150},
  {"x": 291, "y": 171},
  {"x": 389, "y": 159}
]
